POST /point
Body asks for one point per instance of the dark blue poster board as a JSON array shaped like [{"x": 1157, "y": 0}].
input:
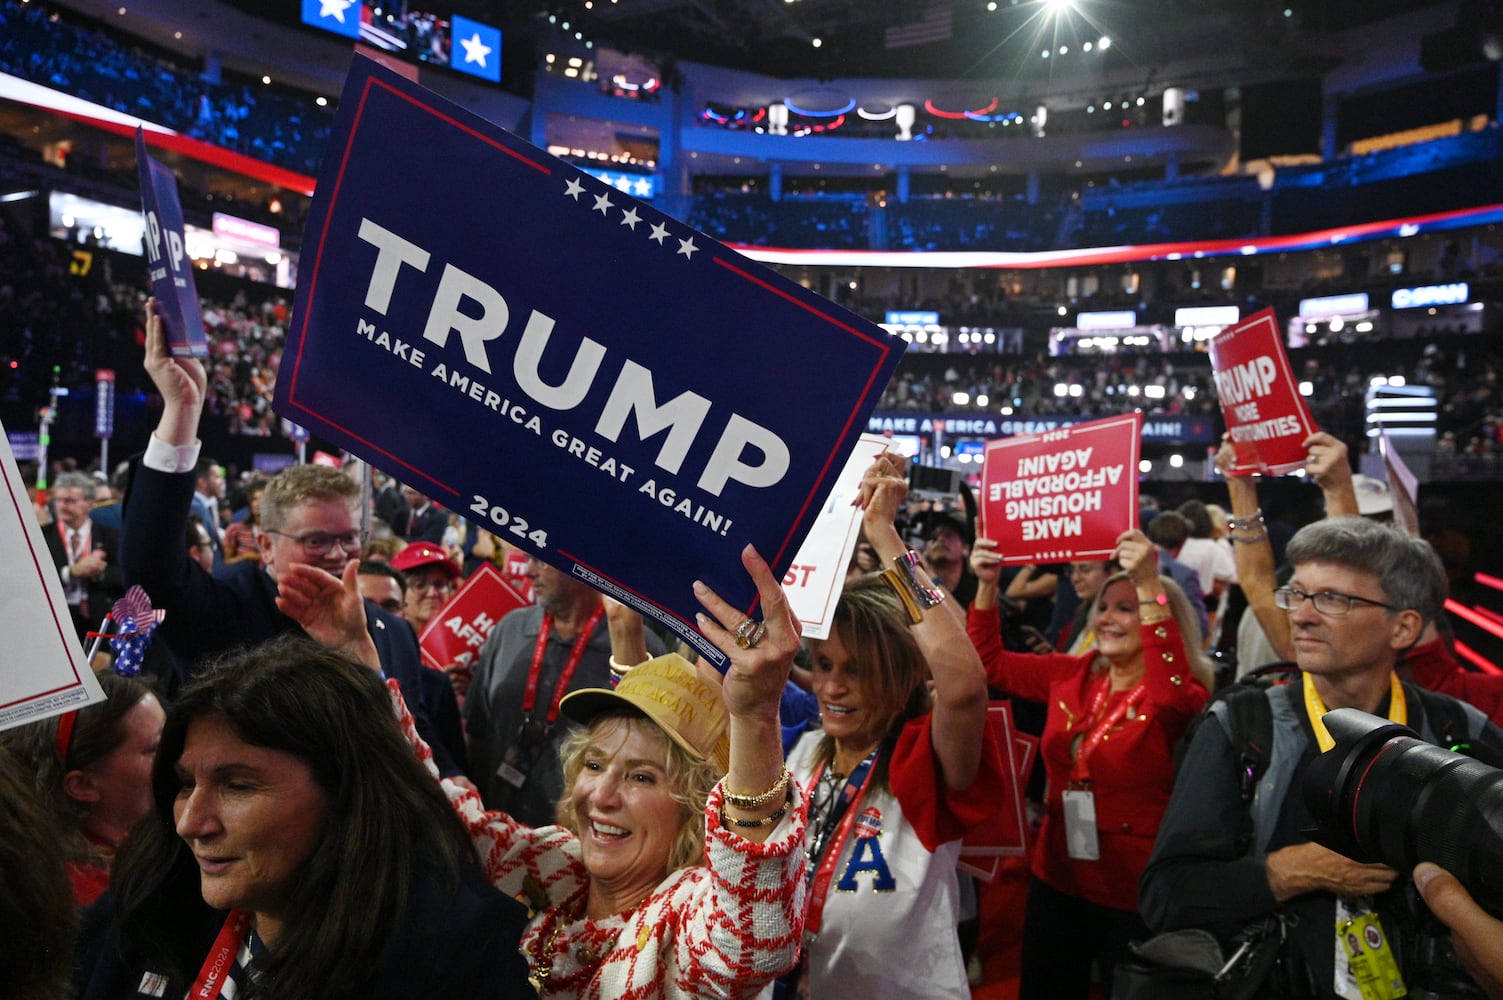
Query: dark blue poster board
[
  {"x": 592, "y": 380},
  {"x": 167, "y": 258}
]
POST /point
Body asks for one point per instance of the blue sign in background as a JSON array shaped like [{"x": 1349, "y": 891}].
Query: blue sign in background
[
  {"x": 478, "y": 342},
  {"x": 475, "y": 48},
  {"x": 167, "y": 260}
]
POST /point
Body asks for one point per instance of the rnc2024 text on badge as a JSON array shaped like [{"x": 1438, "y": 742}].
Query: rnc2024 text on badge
[{"x": 565, "y": 365}]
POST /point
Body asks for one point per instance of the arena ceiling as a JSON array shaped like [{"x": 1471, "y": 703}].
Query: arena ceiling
[{"x": 954, "y": 39}]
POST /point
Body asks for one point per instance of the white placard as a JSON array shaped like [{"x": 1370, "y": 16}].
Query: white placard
[
  {"x": 816, "y": 578},
  {"x": 45, "y": 673}
]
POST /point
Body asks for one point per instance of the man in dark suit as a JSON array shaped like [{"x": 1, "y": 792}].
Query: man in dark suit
[
  {"x": 87, "y": 555},
  {"x": 309, "y": 531},
  {"x": 422, "y": 521}
]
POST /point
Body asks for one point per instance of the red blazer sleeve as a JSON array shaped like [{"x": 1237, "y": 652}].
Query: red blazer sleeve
[
  {"x": 938, "y": 813},
  {"x": 1023, "y": 675}
]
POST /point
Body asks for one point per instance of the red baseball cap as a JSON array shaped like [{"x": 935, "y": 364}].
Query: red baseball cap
[{"x": 418, "y": 555}]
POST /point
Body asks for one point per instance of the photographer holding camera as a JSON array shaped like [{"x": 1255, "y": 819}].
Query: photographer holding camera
[{"x": 1233, "y": 848}]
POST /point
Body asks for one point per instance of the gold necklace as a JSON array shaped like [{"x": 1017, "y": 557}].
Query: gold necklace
[{"x": 542, "y": 960}]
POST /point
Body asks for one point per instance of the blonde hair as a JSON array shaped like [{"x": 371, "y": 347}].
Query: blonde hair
[
  {"x": 689, "y": 782},
  {"x": 1184, "y": 616},
  {"x": 299, "y": 483}
]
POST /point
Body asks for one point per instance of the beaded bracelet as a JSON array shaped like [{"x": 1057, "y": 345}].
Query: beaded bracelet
[
  {"x": 758, "y": 801},
  {"x": 1261, "y": 536},
  {"x": 1247, "y": 523},
  {"x": 753, "y": 824}
]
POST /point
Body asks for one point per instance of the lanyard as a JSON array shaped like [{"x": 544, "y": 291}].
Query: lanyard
[
  {"x": 819, "y": 886},
  {"x": 221, "y": 957},
  {"x": 1080, "y": 771},
  {"x": 530, "y": 696},
  {"x": 1315, "y": 708}
]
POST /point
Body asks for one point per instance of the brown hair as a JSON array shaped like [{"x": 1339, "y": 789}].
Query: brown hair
[{"x": 873, "y": 628}]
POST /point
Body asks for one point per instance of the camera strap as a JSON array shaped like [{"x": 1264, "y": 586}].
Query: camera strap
[{"x": 1315, "y": 708}]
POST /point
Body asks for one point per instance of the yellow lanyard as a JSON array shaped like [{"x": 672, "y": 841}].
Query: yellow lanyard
[{"x": 1315, "y": 708}]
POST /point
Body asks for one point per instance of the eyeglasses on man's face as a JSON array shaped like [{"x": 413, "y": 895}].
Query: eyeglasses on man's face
[
  {"x": 318, "y": 543},
  {"x": 1327, "y": 602}
]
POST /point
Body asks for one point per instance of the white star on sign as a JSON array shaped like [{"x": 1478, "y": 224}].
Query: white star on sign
[
  {"x": 644, "y": 188},
  {"x": 687, "y": 247},
  {"x": 475, "y": 50},
  {"x": 659, "y": 233},
  {"x": 603, "y": 203},
  {"x": 334, "y": 8},
  {"x": 629, "y": 219},
  {"x": 574, "y": 189},
  {"x": 623, "y": 184}
]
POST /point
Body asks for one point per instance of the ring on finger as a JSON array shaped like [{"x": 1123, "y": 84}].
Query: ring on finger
[{"x": 749, "y": 633}]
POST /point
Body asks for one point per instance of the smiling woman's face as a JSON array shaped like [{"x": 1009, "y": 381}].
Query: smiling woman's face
[
  {"x": 251, "y": 815},
  {"x": 626, "y": 815}
]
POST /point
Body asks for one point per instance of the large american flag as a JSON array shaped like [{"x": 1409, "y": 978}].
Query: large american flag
[{"x": 937, "y": 25}]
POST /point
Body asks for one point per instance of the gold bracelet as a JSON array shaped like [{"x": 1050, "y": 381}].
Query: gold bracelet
[
  {"x": 894, "y": 579},
  {"x": 619, "y": 669},
  {"x": 765, "y": 821},
  {"x": 758, "y": 801}
]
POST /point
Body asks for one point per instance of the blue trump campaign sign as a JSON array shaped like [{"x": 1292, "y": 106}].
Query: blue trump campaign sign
[
  {"x": 569, "y": 368},
  {"x": 167, "y": 257}
]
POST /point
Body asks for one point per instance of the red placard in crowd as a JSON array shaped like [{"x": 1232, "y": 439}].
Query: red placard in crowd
[
  {"x": 1063, "y": 495},
  {"x": 455, "y": 634},
  {"x": 1265, "y": 415},
  {"x": 1006, "y": 833}
]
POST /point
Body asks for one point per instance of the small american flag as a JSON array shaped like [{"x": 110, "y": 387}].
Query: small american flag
[
  {"x": 937, "y": 25},
  {"x": 135, "y": 621}
]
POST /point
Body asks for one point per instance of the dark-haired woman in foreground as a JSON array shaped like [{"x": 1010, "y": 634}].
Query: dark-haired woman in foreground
[{"x": 297, "y": 849}]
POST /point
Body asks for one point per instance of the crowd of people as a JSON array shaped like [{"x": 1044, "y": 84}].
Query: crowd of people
[
  {"x": 582, "y": 809},
  {"x": 269, "y": 123}
]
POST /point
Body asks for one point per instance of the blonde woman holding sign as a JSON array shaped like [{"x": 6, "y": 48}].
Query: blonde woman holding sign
[{"x": 1115, "y": 713}]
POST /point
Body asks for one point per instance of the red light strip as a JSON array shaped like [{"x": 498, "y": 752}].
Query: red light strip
[
  {"x": 1467, "y": 614},
  {"x": 936, "y": 112},
  {"x": 1483, "y": 663},
  {"x": 1488, "y": 581}
]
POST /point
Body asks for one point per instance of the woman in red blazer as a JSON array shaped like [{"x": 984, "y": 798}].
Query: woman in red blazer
[{"x": 1115, "y": 714}]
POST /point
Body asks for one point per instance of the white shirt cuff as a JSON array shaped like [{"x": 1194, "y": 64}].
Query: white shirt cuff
[{"x": 164, "y": 457}]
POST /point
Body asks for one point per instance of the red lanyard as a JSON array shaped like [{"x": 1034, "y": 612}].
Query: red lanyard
[
  {"x": 530, "y": 696},
  {"x": 221, "y": 957},
  {"x": 819, "y": 887},
  {"x": 1080, "y": 772}
]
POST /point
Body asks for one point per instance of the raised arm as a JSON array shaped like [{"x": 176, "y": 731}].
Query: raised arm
[
  {"x": 960, "y": 699},
  {"x": 181, "y": 381},
  {"x": 1254, "y": 553},
  {"x": 1329, "y": 468},
  {"x": 752, "y": 688}
]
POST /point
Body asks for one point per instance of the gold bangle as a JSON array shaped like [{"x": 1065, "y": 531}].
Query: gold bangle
[
  {"x": 765, "y": 821},
  {"x": 758, "y": 801},
  {"x": 619, "y": 669},
  {"x": 894, "y": 579}
]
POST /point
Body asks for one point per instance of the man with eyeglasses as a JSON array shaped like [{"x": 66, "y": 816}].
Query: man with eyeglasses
[
  {"x": 1361, "y": 596},
  {"x": 310, "y": 529}
]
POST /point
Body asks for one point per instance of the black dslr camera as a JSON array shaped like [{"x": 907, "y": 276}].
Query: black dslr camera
[{"x": 1383, "y": 795}]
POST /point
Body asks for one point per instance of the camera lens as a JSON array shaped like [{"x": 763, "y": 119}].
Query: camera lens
[{"x": 1382, "y": 795}]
